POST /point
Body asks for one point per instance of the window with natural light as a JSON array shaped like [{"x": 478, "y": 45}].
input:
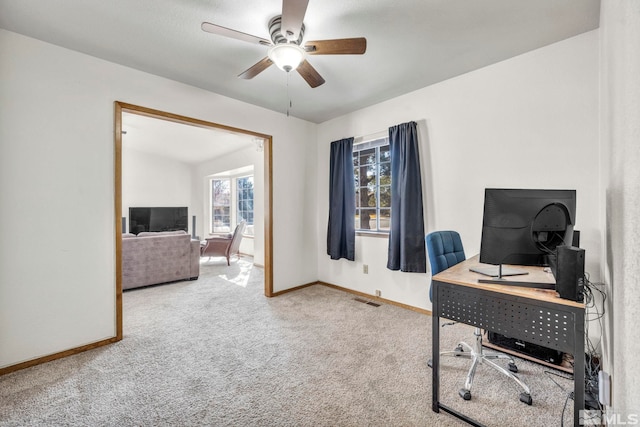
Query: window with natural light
[
  {"x": 372, "y": 171},
  {"x": 245, "y": 199},
  {"x": 231, "y": 203},
  {"x": 220, "y": 205}
]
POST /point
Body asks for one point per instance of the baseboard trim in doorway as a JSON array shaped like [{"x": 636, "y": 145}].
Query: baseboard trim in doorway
[{"x": 286, "y": 291}]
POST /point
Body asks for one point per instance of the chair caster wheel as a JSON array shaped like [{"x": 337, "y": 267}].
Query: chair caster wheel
[
  {"x": 526, "y": 398},
  {"x": 430, "y": 363},
  {"x": 459, "y": 349},
  {"x": 513, "y": 368},
  {"x": 466, "y": 394}
]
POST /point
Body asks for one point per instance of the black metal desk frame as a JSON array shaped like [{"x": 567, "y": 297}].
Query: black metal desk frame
[{"x": 552, "y": 325}]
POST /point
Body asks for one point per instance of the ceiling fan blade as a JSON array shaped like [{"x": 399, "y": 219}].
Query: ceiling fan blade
[
  {"x": 354, "y": 46},
  {"x": 227, "y": 32},
  {"x": 310, "y": 74},
  {"x": 293, "y": 12},
  {"x": 256, "y": 69}
]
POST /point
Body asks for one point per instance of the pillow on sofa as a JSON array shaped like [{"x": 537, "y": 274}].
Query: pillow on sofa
[{"x": 127, "y": 235}]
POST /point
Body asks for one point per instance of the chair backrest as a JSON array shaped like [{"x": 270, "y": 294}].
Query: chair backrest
[
  {"x": 234, "y": 246},
  {"x": 445, "y": 250}
]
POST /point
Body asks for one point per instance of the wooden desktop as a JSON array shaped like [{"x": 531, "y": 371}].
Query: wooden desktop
[{"x": 534, "y": 315}]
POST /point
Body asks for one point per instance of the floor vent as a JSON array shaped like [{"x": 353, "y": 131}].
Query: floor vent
[{"x": 364, "y": 301}]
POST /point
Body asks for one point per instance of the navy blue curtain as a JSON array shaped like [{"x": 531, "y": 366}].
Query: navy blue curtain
[
  {"x": 341, "y": 233},
  {"x": 406, "y": 234}
]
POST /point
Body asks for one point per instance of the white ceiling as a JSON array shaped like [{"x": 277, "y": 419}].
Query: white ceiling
[
  {"x": 410, "y": 43},
  {"x": 185, "y": 143}
]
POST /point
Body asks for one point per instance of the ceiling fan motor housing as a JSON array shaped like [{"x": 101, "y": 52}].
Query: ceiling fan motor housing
[{"x": 275, "y": 24}]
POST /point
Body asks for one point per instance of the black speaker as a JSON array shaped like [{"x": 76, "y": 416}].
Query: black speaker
[
  {"x": 193, "y": 227},
  {"x": 570, "y": 273},
  {"x": 576, "y": 239}
]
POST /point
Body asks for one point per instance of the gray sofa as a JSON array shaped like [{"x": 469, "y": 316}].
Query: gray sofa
[{"x": 151, "y": 258}]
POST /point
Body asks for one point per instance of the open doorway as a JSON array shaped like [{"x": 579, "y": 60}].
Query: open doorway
[{"x": 261, "y": 142}]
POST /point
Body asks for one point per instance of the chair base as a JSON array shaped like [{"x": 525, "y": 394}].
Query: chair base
[{"x": 478, "y": 356}]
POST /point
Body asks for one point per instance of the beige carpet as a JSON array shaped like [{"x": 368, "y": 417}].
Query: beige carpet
[{"x": 216, "y": 352}]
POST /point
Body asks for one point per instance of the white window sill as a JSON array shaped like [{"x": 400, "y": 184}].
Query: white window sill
[{"x": 382, "y": 234}]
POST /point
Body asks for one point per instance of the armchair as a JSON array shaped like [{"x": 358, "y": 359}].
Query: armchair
[{"x": 224, "y": 246}]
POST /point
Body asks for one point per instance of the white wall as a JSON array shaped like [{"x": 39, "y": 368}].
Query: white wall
[
  {"x": 153, "y": 180},
  {"x": 620, "y": 29},
  {"x": 57, "y": 219},
  {"x": 235, "y": 160},
  {"x": 527, "y": 122}
]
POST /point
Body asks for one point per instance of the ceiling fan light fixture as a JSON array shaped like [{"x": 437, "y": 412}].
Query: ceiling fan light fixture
[{"x": 287, "y": 56}]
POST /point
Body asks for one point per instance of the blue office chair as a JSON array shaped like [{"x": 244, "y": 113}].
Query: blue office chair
[{"x": 445, "y": 250}]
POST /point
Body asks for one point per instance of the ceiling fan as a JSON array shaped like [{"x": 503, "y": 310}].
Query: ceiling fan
[{"x": 285, "y": 47}]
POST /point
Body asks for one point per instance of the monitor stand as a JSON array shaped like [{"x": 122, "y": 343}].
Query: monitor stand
[
  {"x": 497, "y": 270},
  {"x": 500, "y": 280}
]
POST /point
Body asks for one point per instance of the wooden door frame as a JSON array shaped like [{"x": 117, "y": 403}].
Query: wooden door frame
[{"x": 121, "y": 107}]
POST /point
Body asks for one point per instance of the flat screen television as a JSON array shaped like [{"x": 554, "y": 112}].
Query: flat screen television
[
  {"x": 158, "y": 219},
  {"x": 525, "y": 226}
]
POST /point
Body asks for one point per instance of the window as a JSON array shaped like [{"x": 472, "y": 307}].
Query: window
[
  {"x": 220, "y": 205},
  {"x": 372, "y": 171},
  {"x": 245, "y": 199},
  {"x": 231, "y": 203}
]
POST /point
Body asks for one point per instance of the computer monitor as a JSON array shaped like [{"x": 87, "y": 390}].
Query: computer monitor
[{"x": 525, "y": 226}]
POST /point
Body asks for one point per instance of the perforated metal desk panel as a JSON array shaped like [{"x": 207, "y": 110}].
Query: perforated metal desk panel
[{"x": 534, "y": 315}]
